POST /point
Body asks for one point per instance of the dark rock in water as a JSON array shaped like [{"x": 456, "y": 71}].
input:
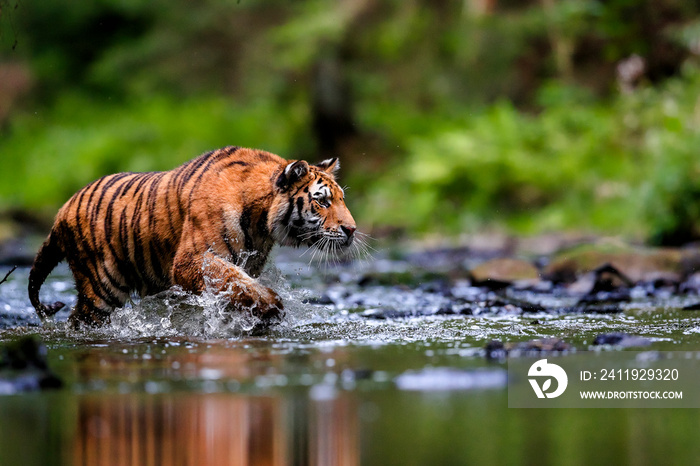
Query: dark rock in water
[
  {"x": 691, "y": 284},
  {"x": 455, "y": 308},
  {"x": 608, "y": 278},
  {"x": 324, "y": 300},
  {"x": 387, "y": 313},
  {"x": 525, "y": 306},
  {"x": 594, "y": 308},
  {"x": 620, "y": 339},
  {"x": 608, "y": 285},
  {"x": 497, "y": 350},
  {"x": 23, "y": 367}
]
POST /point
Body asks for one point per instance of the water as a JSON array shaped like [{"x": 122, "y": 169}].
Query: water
[{"x": 383, "y": 369}]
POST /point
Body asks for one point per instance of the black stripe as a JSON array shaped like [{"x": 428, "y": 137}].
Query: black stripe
[
  {"x": 96, "y": 210},
  {"x": 108, "y": 221},
  {"x": 298, "y": 189},
  {"x": 128, "y": 267},
  {"x": 171, "y": 224},
  {"x": 90, "y": 274},
  {"x": 191, "y": 168},
  {"x": 95, "y": 186},
  {"x": 78, "y": 226},
  {"x": 151, "y": 201},
  {"x": 264, "y": 156},
  {"x": 245, "y": 223},
  {"x": 288, "y": 213},
  {"x": 263, "y": 232},
  {"x": 113, "y": 281},
  {"x": 110, "y": 208},
  {"x": 109, "y": 184},
  {"x": 232, "y": 163},
  {"x": 136, "y": 228},
  {"x": 155, "y": 249},
  {"x": 204, "y": 170},
  {"x": 137, "y": 177},
  {"x": 79, "y": 244},
  {"x": 174, "y": 186},
  {"x": 155, "y": 262},
  {"x": 143, "y": 179},
  {"x": 138, "y": 261}
]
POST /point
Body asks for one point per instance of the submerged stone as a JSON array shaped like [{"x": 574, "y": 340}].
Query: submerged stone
[
  {"x": 497, "y": 350},
  {"x": 621, "y": 339},
  {"x": 324, "y": 300},
  {"x": 23, "y": 367}
]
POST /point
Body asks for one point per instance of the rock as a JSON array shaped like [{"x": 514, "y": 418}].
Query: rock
[
  {"x": 387, "y": 313},
  {"x": 499, "y": 273},
  {"x": 594, "y": 308},
  {"x": 496, "y": 350},
  {"x": 622, "y": 340},
  {"x": 607, "y": 285},
  {"x": 324, "y": 300},
  {"x": 691, "y": 284},
  {"x": 637, "y": 264},
  {"x": 23, "y": 367}
]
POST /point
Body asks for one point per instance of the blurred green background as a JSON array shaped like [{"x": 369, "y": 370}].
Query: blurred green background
[{"x": 523, "y": 116}]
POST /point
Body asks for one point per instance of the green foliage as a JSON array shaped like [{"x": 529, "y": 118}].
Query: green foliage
[{"x": 625, "y": 166}]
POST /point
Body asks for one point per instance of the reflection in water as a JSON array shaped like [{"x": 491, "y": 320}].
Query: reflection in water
[{"x": 215, "y": 429}]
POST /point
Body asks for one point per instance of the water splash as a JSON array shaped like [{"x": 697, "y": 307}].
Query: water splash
[{"x": 179, "y": 313}]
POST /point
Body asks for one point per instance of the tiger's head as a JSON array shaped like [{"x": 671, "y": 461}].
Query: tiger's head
[{"x": 310, "y": 208}]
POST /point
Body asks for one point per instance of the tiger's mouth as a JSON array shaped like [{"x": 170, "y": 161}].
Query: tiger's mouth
[{"x": 326, "y": 240}]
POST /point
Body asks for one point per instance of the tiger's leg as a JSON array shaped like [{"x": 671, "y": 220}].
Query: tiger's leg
[
  {"x": 90, "y": 310},
  {"x": 86, "y": 314},
  {"x": 197, "y": 273}
]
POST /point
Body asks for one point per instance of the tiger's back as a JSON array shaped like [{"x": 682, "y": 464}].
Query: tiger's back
[{"x": 145, "y": 232}]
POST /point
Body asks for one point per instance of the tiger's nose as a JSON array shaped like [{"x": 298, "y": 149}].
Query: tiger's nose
[{"x": 349, "y": 231}]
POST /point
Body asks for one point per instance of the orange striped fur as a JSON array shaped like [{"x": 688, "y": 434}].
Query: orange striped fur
[{"x": 208, "y": 223}]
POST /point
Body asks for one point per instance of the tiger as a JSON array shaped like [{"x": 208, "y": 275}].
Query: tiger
[{"x": 209, "y": 224}]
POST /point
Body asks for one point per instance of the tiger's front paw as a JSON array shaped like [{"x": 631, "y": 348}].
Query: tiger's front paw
[
  {"x": 269, "y": 307},
  {"x": 263, "y": 302}
]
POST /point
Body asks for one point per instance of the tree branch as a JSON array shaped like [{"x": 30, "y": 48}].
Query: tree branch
[{"x": 7, "y": 275}]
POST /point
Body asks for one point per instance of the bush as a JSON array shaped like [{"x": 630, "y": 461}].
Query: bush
[{"x": 626, "y": 166}]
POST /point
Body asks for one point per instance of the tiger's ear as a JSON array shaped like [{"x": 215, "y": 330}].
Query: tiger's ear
[
  {"x": 292, "y": 173},
  {"x": 330, "y": 166}
]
